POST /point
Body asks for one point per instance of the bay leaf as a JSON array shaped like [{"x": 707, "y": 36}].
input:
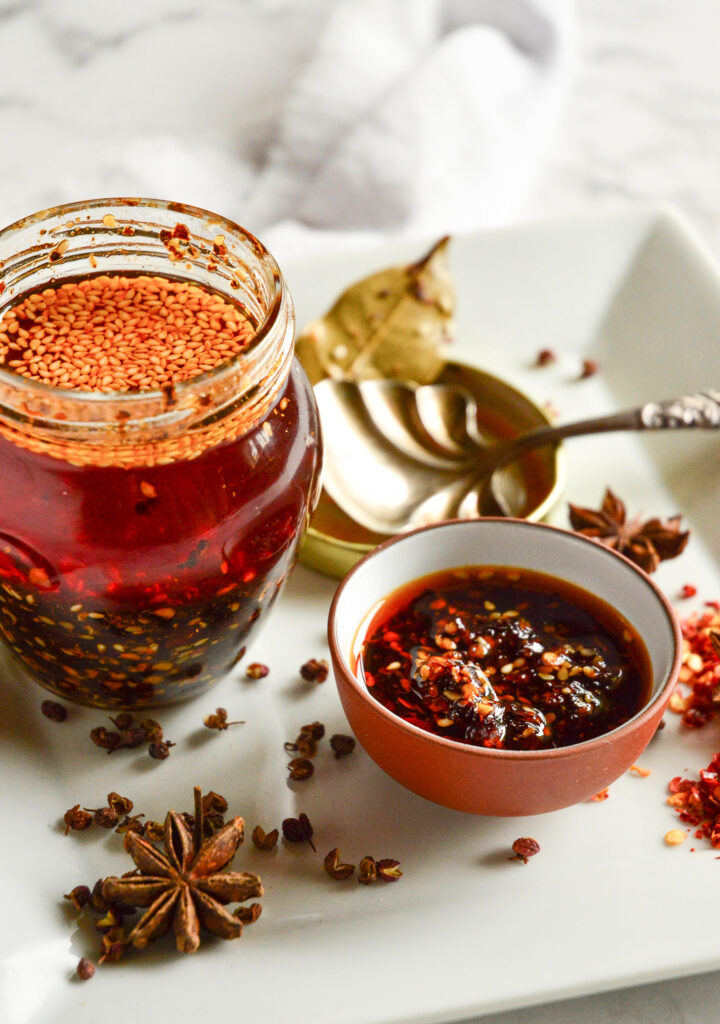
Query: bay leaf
[{"x": 395, "y": 323}]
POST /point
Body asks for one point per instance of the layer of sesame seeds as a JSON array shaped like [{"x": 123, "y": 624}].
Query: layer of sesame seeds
[{"x": 120, "y": 333}]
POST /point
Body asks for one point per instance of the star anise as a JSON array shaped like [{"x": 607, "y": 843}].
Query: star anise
[
  {"x": 645, "y": 543},
  {"x": 185, "y": 887}
]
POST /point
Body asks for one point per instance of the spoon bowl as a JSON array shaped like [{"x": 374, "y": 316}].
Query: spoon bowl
[
  {"x": 335, "y": 541},
  {"x": 400, "y": 455}
]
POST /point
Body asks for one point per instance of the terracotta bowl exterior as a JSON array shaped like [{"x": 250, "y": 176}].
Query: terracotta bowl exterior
[{"x": 476, "y": 779}]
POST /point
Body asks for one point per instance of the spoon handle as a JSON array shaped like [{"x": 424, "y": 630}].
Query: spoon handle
[{"x": 700, "y": 411}]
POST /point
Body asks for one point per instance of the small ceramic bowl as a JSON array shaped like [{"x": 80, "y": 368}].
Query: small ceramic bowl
[{"x": 477, "y": 779}]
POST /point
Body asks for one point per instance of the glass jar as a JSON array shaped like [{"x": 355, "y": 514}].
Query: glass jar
[{"x": 144, "y": 535}]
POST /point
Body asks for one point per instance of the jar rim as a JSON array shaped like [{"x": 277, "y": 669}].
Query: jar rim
[{"x": 227, "y": 368}]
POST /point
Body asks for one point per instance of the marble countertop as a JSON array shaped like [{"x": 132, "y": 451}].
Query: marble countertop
[{"x": 642, "y": 123}]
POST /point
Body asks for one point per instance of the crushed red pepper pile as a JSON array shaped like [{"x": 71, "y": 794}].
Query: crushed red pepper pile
[{"x": 697, "y": 801}]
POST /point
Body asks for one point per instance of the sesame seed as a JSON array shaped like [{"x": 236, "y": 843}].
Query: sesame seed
[{"x": 121, "y": 333}]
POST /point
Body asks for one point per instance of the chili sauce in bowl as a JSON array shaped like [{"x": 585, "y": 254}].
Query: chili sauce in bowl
[{"x": 505, "y": 658}]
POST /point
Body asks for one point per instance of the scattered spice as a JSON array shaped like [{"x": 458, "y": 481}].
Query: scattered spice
[
  {"x": 335, "y": 868},
  {"x": 599, "y": 797},
  {"x": 54, "y": 711},
  {"x": 315, "y": 729},
  {"x": 342, "y": 744},
  {"x": 545, "y": 357},
  {"x": 160, "y": 749},
  {"x": 130, "y": 736},
  {"x": 300, "y": 769},
  {"x": 248, "y": 915},
  {"x": 367, "y": 871},
  {"x": 589, "y": 369},
  {"x": 642, "y": 773},
  {"x": 388, "y": 870},
  {"x": 315, "y": 670},
  {"x": 105, "y": 817},
  {"x": 686, "y": 591},
  {"x": 305, "y": 744},
  {"x": 524, "y": 848},
  {"x": 121, "y": 333},
  {"x": 298, "y": 830},
  {"x": 154, "y": 831},
  {"x": 256, "y": 670},
  {"x": 697, "y": 801},
  {"x": 132, "y": 824},
  {"x": 265, "y": 840},
  {"x": 85, "y": 969},
  {"x": 185, "y": 886},
  {"x": 219, "y": 720},
  {"x": 700, "y": 669},
  {"x": 122, "y": 804},
  {"x": 77, "y": 819},
  {"x": 79, "y": 896},
  {"x": 645, "y": 543},
  {"x": 675, "y": 836}
]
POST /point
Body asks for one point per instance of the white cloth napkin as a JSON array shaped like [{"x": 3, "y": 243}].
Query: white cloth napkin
[{"x": 299, "y": 119}]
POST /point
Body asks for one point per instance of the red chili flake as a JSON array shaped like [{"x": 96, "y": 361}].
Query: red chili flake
[
  {"x": 687, "y": 590},
  {"x": 697, "y": 801},
  {"x": 602, "y": 795},
  {"x": 545, "y": 357},
  {"x": 700, "y": 669},
  {"x": 643, "y": 773},
  {"x": 589, "y": 369}
]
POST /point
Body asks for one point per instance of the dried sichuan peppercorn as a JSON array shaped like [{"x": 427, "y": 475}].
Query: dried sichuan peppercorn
[
  {"x": 160, "y": 749},
  {"x": 256, "y": 670},
  {"x": 335, "y": 868},
  {"x": 300, "y": 769},
  {"x": 54, "y": 711},
  {"x": 298, "y": 830},
  {"x": 122, "y": 804},
  {"x": 367, "y": 871},
  {"x": 342, "y": 744},
  {"x": 79, "y": 896},
  {"x": 545, "y": 357},
  {"x": 106, "y": 817},
  {"x": 219, "y": 720},
  {"x": 85, "y": 969},
  {"x": 524, "y": 848},
  {"x": 315, "y": 670},
  {"x": 77, "y": 819},
  {"x": 388, "y": 870},
  {"x": 264, "y": 840},
  {"x": 315, "y": 729}
]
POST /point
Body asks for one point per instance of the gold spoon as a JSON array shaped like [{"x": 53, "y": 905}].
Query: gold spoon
[{"x": 400, "y": 455}]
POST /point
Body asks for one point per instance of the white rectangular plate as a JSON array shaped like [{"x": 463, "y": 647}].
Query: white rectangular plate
[{"x": 464, "y": 932}]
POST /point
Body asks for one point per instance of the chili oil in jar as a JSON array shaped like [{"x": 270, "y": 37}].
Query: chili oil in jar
[{"x": 146, "y": 531}]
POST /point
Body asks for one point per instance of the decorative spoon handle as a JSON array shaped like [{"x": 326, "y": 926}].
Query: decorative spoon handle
[{"x": 700, "y": 411}]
